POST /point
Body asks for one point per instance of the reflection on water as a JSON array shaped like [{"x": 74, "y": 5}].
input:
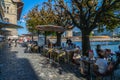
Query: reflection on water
[{"x": 106, "y": 43}]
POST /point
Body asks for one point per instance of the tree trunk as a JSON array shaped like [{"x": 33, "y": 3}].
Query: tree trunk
[
  {"x": 32, "y": 37},
  {"x": 58, "y": 39},
  {"x": 45, "y": 38},
  {"x": 38, "y": 34},
  {"x": 85, "y": 42}
]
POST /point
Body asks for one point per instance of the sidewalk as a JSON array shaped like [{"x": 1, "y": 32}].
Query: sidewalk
[{"x": 17, "y": 65}]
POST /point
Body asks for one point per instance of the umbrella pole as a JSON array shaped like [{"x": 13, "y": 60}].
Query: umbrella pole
[{"x": 45, "y": 38}]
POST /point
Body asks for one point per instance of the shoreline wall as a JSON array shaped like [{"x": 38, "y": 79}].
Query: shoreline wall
[{"x": 93, "y": 38}]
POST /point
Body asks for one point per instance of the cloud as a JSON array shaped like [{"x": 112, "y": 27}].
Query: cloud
[{"x": 22, "y": 21}]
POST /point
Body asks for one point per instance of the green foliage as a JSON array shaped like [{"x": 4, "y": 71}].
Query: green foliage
[
  {"x": 49, "y": 33},
  {"x": 110, "y": 16},
  {"x": 91, "y": 14},
  {"x": 38, "y": 16},
  {"x": 85, "y": 14}
]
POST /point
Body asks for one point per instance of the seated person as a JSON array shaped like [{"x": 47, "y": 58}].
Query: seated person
[
  {"x": 83, "y": 65},
  {"x": 91, "y": 55},
  {"x": 29, "y": 47},
  {"x": 68, "y": 42},
  {"x": 101, "y": 63},
  {"x": 110, "y": 56},
  {"x": 98, "y": 48},
  {"x": 76, "y": 56},
  {"x": 107, "y": 51},
  {"x": 118, "y": 52}
]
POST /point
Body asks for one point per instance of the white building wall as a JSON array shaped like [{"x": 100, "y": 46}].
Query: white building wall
[{"x": 10, "y": 12}]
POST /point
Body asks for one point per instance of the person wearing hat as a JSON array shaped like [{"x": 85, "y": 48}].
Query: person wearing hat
[{"x": 68, "y": 42}]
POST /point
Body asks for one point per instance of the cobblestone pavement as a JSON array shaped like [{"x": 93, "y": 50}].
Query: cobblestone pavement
[{"x": 17, "y": 65}]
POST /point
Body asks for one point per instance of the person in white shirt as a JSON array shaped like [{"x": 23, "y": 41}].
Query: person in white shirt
[{"x": 101, "y": 63}]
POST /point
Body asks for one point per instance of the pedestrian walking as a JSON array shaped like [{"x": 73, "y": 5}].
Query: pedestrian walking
[
  {"x": 9, "y": 42},
  {"x": 15, "y": 42}
]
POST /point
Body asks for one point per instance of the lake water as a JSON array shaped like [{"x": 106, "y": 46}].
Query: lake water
[{"x": 113, "y": 45}]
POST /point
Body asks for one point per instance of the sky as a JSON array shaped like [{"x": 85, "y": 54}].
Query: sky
[{"x": 28, "y": 5}]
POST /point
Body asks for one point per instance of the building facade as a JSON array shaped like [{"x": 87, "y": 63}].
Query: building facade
[
  {"x": 1, "y": 16},
  {"x": 95, "y": 32},
  {"x": 12, "y": 12},
  {"x": 1, "y": 10}
]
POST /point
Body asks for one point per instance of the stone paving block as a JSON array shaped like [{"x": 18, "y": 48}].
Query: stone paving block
[{"x": 31, "y": 66}]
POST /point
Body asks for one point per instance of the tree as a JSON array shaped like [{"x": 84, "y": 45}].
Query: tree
[
  {"x": 61, "y": 18},
  {"x": 33, "y": 20},
  {"x": 90, "y": 14},
  {"x": 39, "y": 16}
]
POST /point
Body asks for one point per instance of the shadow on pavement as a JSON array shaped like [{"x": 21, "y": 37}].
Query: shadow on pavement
[
  {"x": 14, "y": 68},
  {"x": 68, "y": 68},
  {"x": 63, "y": 68}
]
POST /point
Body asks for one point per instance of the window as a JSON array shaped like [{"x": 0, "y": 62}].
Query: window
[
  {"x": 6, "y": 19},
  {"x": 7, "y": 10}
]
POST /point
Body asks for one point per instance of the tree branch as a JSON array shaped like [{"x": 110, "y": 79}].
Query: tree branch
[
  {"x": 112, "y": 16},
  {"x": 81, "y": 15},
  {"x": 101, "y": 10},
  {"x": 72, "y": 17}
]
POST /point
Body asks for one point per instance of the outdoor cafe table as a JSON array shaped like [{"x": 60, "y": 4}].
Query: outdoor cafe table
[
  {"x": 60, "y": 53},
  {"x": 69, "y": 52},
  {"x": 54, "y": 51},
  {"x": 90, "y": 63}
]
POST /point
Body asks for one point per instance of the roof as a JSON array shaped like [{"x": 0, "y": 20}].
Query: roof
[
  {"x": 16, "y": 0},
  {"x": 20, "y": 5},
  {"x": 9, "y": 25}
]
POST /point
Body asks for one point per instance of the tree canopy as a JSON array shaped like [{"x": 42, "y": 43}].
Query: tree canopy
[
  {"x": 90, "y": 14},
  {"x": 39, "y": 16},
  {"x": 84, "y": 14}
]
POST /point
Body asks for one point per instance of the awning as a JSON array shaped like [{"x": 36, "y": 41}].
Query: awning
[
  {"x": 5, "y": 31},
  {"x": 1, "y": 24},
  {"x": 9, "y": 25}
]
